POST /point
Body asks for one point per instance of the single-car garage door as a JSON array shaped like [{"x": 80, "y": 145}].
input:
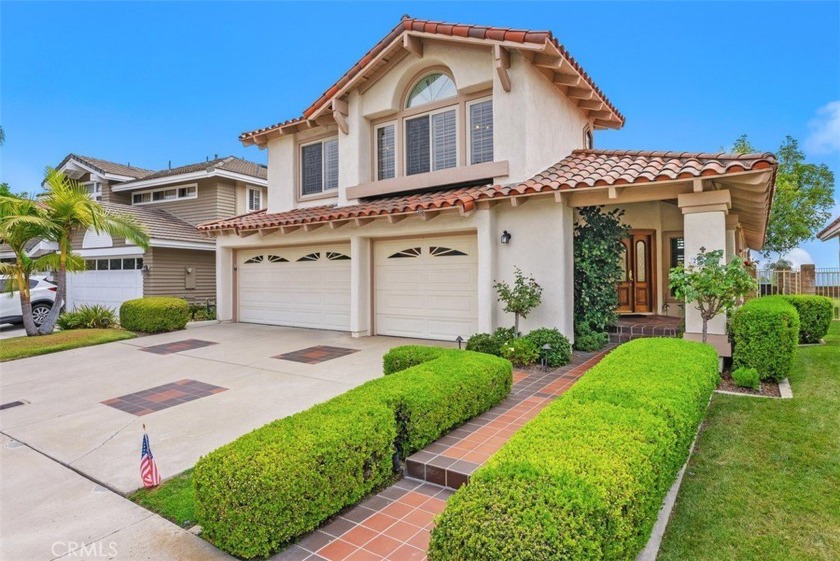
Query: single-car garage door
[
  {"x": 107, "y": 281},
  {"x": 300, "y": 287},
  {"x": 426, "y": 287}
]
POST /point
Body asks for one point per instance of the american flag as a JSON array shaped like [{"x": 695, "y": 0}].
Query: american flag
[{"x": 148, "y": 468}]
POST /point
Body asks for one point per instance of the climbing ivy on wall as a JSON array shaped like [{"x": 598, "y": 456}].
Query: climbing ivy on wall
[{"x": 597, "y": 250}]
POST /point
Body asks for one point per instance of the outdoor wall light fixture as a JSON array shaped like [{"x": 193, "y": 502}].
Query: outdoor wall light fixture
[
  {"x": 145, "y": 269},
  {"x": 506, "y": 237}
]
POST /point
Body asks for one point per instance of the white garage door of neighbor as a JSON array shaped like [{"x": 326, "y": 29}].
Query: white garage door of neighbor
[
  {"x": 299, "y": 287},
  {"x": 106, "y": 287},
  {"x": 426, "y": 288}
]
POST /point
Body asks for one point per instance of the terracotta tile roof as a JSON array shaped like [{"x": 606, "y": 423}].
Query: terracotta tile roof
[
  {"x": 159, "y": 223},
  {"x": 581, "y": 169},
  {"x": 408, "y": 24},
  {"x": 230, "y": 163},
  {"x": 831, "y": 230},
  {"x": 104, "y": 166}
]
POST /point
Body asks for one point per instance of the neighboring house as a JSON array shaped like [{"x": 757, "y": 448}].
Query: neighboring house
[
  {"x": 391, "y": 199},
  {"x": 832, "y": 231},
  {"x": 169, "y": 203}
]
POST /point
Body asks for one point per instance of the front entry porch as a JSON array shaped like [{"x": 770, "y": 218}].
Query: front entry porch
[{"x": 634, "y": 327}]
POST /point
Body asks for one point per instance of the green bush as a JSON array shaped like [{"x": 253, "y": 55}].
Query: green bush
[
  {"x": 401, "y": 358},
  {"x": 585, "y": 479},
  {"x": 285, "y": 479},
  {"x": 96, "y": 316},
  {"x": 815, "y": 315},
  {"x": 505, "y": 334},
  {"x": 560, "y": 352},
  {"x": 765, "y": 332},
  {"x": 521, "y": 351},
  {"x": 485, "y": 343},
  {"x": 201, "y": 311},
  {"x": 589, "y": 341},
  {"x": 154, "y": 314},
  {"x": 746, "y": 378}
]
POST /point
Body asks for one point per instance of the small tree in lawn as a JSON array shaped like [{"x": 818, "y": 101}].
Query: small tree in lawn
[
  {"x": 520, "y": 298},
  {"x": 710, "y": 285}
]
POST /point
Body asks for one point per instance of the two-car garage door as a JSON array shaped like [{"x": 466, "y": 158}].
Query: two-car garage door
[
  {"x": 423, "y": 287},
  {"x": 301, "y": 287}
]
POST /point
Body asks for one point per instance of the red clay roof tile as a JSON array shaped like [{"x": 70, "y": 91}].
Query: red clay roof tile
[{"x": 581, "y": 169}]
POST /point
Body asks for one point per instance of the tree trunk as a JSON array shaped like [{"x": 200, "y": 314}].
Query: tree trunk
[
  {"x": 515, "y": 325},
  {"x": 48, "y": 325},
  {"x": 25, "y": 301},
  {"x": 705, "y": 328}
]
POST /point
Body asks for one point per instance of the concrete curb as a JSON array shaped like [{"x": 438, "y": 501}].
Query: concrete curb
[
  {"x": 204, "y": 323},
  {"x": 785, "y": 390}
]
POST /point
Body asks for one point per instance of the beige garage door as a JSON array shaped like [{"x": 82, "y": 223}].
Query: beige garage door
[
  {"x": 299, "y": 287},
  {"x": 426, "y": 288}
]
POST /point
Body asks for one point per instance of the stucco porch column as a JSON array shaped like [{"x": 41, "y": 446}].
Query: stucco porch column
[
  {"x": 360, "y": 282},
  {"x": 732, "y": 245},
  {"x": 225, "y": 288},
  {"x": 705, "y": 226},
  {"x": 487, "y": 247}
]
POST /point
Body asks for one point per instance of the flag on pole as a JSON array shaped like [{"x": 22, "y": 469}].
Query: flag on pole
[{"x": 148, "y": 468}]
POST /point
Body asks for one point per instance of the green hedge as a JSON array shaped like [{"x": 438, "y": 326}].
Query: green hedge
[
  {"x": 154, "y": 314},
  {"x": 765, "y": 332},
  {"x": 585, "y": 479},
  {"x": 401, "y": 358},
  {"x": 285, "y": 479},
  {"x": 815, "y": 315}
]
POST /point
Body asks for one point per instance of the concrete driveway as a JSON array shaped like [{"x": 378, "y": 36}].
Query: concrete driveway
[{"x": 65, "y": 425}]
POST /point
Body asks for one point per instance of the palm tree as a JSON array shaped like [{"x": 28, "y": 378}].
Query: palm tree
[
  {"x": 70, "y": 209},
  {"x": 21, "y": 220}
]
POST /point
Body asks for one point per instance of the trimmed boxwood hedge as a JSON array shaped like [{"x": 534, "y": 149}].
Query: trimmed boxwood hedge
[
  {"x": 765, "y": 333},
  {"x": 585, "y": 479},
  {"x": 815, "y": 315},
  {"x": 285, "y": 479},
  {"x": 401, "y": 358},
  {"x": 154, "y": 314}
]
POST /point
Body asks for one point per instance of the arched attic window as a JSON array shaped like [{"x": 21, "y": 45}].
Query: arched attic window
[{"x": 431, "y": 88}]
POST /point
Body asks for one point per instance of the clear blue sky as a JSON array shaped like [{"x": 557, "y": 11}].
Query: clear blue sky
[{"x": 153, "y": 82}]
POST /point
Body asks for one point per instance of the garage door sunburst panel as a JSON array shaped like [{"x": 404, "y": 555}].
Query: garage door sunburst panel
[
  {"x": 436, "y": 251},
  {"x": 406, "y": 253}
]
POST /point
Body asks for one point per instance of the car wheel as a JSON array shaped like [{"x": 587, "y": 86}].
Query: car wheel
[{"x": 40, "y": 312}]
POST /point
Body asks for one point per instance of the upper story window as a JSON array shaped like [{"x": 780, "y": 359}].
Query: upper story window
[
  {"x": 431, "y": 88},
  {"x": 319, "y": 166},
  {"x": 254, "y": 199},
  {"x": 95, "y": 190},
  {"x": 588, "y": 138},
  {"x": 165, "y": 195},
  {"x": 437, "y": 129}
]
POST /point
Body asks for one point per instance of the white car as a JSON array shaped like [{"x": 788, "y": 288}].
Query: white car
[{"x": 42, "y": 293}]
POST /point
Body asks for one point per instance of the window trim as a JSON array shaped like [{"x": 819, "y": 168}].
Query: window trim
[
  {"x": 414, "y": 83},
  {"x": 96, "y": 192},
  {"x": 248, "y": 192},
  {"x": 666, "y": 265},
  {"x": 167, "y": 188},
  {"x": 324, "y": 193},
  {"x": 397, "y": 146},
  {"x": 468, "y": 128}
]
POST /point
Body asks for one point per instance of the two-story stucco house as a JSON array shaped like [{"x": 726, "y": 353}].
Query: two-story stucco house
[
  {"x": 169, "y": 203},
  {"x": 445, "y": 157}
]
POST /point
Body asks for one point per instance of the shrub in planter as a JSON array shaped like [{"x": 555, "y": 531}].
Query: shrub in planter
[
  {"x": 521, "y": 351},
  {"x": 505, "y": 334},
  {"x": 484, "y": 343},
  {"x": 815, "y": 315},
  {"x": 560, "y": 352},
  {"x": 765, "y": 333},
  {"x": 154, "y": 314},
  {"x": 746, "y": 378},
  {"x": 590, "y": 341},
  {"x": 96, "y": 316},
  {"x": 285, "y": 479},
  {"x": 584, "y": 480}
]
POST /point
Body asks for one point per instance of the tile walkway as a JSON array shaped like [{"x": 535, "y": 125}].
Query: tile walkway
[
  {"x": 317, "y": 355},
  {"x": 396, "y": 523},
  {"x": 162, "y": 397}
]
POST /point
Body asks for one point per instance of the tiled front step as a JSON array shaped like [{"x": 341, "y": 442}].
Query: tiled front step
[
  {"x": 628, "y": 328},
  {"x": 451, "y": 460}
]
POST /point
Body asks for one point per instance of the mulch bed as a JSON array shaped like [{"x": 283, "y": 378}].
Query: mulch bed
[{"x": 768, "y": 389}]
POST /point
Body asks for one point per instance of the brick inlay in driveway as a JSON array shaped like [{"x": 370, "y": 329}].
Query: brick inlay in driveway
[
  {"x": 177, "y": 346},
  {"x": 162, "y": 397},
  {"x": 316, "y": 355}
]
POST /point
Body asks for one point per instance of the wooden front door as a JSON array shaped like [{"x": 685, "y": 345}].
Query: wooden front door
[{"x": 635, "y": 291}]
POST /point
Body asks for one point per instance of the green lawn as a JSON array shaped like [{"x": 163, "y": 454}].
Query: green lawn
[
  {"x": 174, "y": 499},
  {"x": 23, "y": 347},
  {"x": 764, "y": 482}
]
